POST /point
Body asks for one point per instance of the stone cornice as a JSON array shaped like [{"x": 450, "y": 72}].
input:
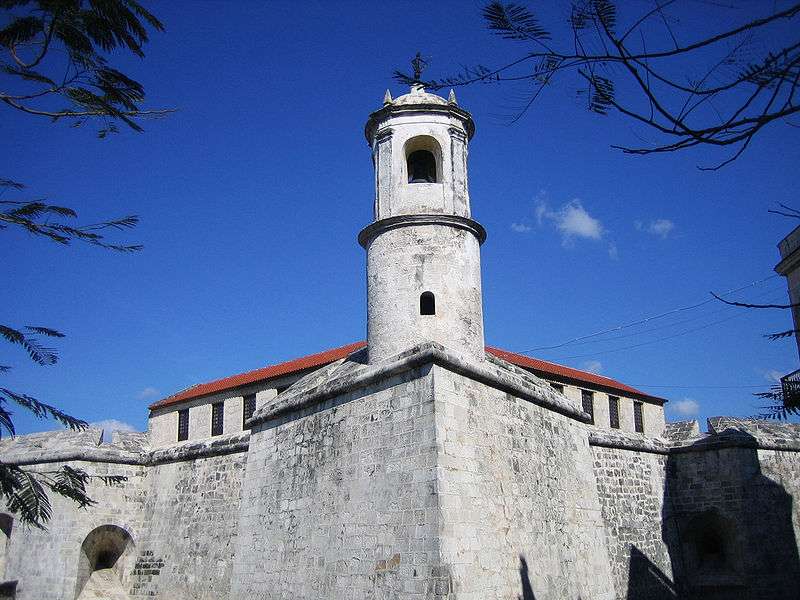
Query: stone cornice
[
  {"x": 394, "y": 110},
  {"x": 705, "y": 443},
  {"x": 372, "y": 230},
  {"x": 110, "y": 455},
  {"x": 429, "y": 353}
]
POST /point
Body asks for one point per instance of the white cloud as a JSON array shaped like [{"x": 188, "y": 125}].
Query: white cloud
[
  {"x": 572, "y": 220},
  {"x": 148, "y": 393},
  {"x": 613, "y": 253},
  {"x": 773, "y": 376},
  {"x": 593, "y": 366},
  {"x": 660, "y": 227},
  {"x": 520, "y": 227},
  {"x": 686, "y": 407},
  {"x": 110, "y": 425}
]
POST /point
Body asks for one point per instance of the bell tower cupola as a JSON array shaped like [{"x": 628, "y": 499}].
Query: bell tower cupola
[{"x": 423, "y": 248}]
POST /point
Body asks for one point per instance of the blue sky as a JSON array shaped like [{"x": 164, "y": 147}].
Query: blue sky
[{"x": 251, "y": 196}]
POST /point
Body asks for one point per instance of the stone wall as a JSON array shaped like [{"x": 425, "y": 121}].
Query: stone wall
[
  {"x": 630, "y": 486},
  {"x": 187, "y": 550},
  {"x": 519, "y": 510},
  {"x": 339, "y": 499},
  {"x": 733, "y": 522},
  {"x": 178, "y": 506},
  {"x": 46, "y": 563}
]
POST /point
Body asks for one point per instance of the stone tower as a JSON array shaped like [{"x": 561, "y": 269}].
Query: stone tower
[{"x": 423, "y": 249}]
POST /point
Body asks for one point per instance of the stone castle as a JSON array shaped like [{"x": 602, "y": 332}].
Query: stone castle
[{"x": 419, "y": 464}]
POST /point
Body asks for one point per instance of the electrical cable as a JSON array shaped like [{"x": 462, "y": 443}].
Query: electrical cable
[{"x": 650, "y": 318}]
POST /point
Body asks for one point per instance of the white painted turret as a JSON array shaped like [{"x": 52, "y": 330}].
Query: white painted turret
[{"x": 423, "y": 250}]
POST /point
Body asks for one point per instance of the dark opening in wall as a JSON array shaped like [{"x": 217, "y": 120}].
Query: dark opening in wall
[
  {"x": 217, "y": 418},
  {"x": 421, "y": 167},
  {"x": 6, "y": 525},
  {"x": 613, "y": 411},
  {"x": 248, "y": 408},
  {"x": 710, "y": 547},
  {"x": 638, "y": 417},
  {"x": 587, "y": 403},
  {"x": 105, "y": 564},
  {"x": 427, "y": 304},
  {"x": 183, "y": 424}
]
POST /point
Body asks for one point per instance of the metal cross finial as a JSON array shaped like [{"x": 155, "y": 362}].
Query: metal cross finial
[{"x": 419, "y": 64}]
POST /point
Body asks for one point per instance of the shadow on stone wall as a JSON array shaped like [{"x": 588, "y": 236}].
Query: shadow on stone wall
[
  {"x": 646, "y": 580},
  {"x": 525, "y": 580},
  {"x": 727, "y": 527}
]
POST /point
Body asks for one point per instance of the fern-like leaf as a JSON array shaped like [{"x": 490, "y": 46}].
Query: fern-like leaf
[
  {"x": 39, "y": 354},
  {"x": 602, "y": 94},
  {"x": 28, "y": 498},
  {"x": 513, "y": 22},
  {"x": 42, "y": 410},
  {"x": 606, "y": 12},
  {"x": 71, "y": 483}
]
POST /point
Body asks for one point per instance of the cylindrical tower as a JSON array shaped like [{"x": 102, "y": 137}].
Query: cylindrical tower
[{"x": 423, "y": 249}]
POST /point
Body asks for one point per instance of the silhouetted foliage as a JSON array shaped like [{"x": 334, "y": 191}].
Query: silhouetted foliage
[
  {"x": 635, "y": 62},
  {"x": 55, "y": 53}
]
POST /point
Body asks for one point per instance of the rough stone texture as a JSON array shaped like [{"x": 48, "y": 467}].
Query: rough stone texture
[
  {"x": 179, "y": 506},
  {"x": 679, "y": 431},
  {"x": 187, "y": 550},
  {"x": 630, "y": 486},
  {"x": 363, "y": 465},
  {"x": 729, "y": 483},
  {"x": 46, "y": 563},
  {"x": 404, "y": 262},
  {"x": 515, "y": 488}
]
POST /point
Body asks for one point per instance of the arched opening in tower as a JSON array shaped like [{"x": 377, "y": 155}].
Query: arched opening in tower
[
  {"x": 105, "y": 564},
  {"x": 421, "y": 167},
  {"x": 427, "y": 304}
]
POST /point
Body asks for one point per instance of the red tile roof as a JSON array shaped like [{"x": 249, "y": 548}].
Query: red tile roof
[
  {"x": 539, "y": 367},
  {"x": 285, "y": 368},
  {"x": 551, "y": 370}
]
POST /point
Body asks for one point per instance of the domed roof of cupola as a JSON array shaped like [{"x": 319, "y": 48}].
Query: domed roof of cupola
[
  {"x": 418, "y": 95},
  {"x": 417, "y": 101}
]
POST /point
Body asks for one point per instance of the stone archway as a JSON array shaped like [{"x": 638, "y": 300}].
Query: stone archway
[{"x": 105, "y": 564}]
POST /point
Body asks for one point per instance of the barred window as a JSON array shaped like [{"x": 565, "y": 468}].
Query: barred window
[
  {"x": 587, "y": 401},
  {"x": 248, "y": 408},
  {"x": 557, "y": 387},
  {"x": 613, "y": 411},
  {"x": 638, "y": 417},
  {"x": 217, "y": 412},
  {"x": 183, "y": 424}
]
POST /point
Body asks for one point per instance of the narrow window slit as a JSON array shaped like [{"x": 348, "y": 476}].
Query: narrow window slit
[{"x": 427, "y": 304}]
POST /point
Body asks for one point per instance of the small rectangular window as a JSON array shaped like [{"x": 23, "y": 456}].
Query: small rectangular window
[
  {"x": 248, "y": 408},
  {"x": 587, "y": 402},
  {"x": 638, "y": 417},
  {"x": 183, "y": 424},
  {"x": 613, "y": 411},
  {"x": 217, "y": 413},
  {"x": 557, "y": 387}
]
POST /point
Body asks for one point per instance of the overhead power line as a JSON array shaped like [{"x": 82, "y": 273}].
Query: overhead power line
[{"x": 650, "y": 318}]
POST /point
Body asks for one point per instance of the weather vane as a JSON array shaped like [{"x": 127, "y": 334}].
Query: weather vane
[{"x": 418, "y": 64}]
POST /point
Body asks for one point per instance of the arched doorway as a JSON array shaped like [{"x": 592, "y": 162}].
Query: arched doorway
[{"x": 105, "y": 564}]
